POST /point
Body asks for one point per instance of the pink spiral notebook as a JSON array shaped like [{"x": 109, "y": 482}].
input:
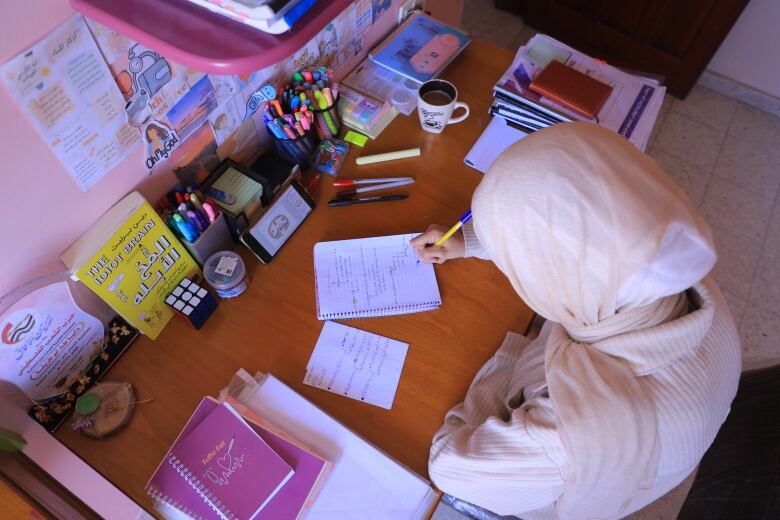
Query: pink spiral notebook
[{"x": 170, "y": 486}]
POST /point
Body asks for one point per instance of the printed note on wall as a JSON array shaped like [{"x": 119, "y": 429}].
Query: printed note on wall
[
  {"x": 67, "y": 91},
  {"x": 356, "y": 364}
]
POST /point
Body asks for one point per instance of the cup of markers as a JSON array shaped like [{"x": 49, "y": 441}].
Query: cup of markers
[
  {"x": 303, "y": 113},
  {"x": 187, "y": 212},
  {"x": 322, "y": 95}
]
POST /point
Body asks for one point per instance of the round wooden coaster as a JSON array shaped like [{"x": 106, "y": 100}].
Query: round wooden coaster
[{"x": 116, "y": 407}]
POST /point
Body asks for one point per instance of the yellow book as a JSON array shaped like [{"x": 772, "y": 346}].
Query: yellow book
[{"x": 132, "y": 260}]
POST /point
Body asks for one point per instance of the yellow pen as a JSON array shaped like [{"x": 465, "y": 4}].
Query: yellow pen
[{"x": 463, "y": 219}]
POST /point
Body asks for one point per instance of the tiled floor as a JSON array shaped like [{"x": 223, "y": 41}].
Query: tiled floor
[{"x": 726, "y": 155}]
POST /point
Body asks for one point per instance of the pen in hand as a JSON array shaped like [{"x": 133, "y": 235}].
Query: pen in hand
[{"x": 462, "y": 220}]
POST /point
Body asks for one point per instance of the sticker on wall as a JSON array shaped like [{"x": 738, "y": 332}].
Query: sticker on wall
[
  {"x": 378, "y": 8},
  {"x": 67, "y": 92},
  {"x": 197, "y": 156},
  {"x": 193, "y": 108},
  {"x": 261, "y": 95},
  {"x": 363, "y": 17},
  {"x": 225, "y": 87},
  {"x": 149, "y": 70},
  {"x": 160, "y": 142},
  {"x": 227, "y": 117},
  {"x": 328, "y": 47}
]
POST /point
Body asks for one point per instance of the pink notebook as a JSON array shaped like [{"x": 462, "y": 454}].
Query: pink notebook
[
  {"x": 229, "y": 465},
  {"x": 167, "y": 485},
  {"x": 219, "y": 467},
  {"x": 310, "y": 469}
]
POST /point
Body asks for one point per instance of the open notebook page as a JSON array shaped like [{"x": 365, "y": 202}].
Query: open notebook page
[{"x": 367, "y": 277}]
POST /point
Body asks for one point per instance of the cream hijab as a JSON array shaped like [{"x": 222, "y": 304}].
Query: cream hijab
[{"x": 594, "y": 236}]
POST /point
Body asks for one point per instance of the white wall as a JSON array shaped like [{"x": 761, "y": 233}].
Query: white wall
[{"x": 750, "y": 54}]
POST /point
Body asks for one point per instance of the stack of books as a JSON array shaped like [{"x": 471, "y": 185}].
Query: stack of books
[
  {"x": 227, "y": 464},
  {"x": 271, "y": 16},
  {"x": 630, "y": 108}
]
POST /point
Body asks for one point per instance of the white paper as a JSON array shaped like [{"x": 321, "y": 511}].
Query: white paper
[
  {"x": 357, "y": 364},
  {"x": 67, "y": 91},
  {"x": 497, "y": 137},
  {"x": 386, "y": 489},
  {"x": 367, "y": 277}
]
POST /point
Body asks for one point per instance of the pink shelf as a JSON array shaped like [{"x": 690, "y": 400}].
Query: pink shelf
[{"x": 203, "y": 40}]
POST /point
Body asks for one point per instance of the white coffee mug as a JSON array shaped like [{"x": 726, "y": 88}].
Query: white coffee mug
[{"x": 436, "y": 100}]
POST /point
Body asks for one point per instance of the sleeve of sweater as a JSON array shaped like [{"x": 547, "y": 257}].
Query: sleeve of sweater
[
  {"x": 473, "y": 245},
  {"x": 484, "y": 453}
]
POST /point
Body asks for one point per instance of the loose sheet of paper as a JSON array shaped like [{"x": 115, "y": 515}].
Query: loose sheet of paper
[
  {"x": 67, "y": 91},
  {"x": 497, "y": 137},
  {"x": 358, "y": 364}
]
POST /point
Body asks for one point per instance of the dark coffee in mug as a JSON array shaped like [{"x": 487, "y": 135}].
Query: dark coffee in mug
[{"x": 437, "y": 97}]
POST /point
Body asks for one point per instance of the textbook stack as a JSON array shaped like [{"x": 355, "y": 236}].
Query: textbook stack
[{"x": 630, "y": 110}]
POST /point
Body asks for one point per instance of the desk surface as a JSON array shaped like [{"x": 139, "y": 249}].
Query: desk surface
[{"x": 273, "y": 326}]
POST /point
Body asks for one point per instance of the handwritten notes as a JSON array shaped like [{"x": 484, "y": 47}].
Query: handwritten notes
[
  {"x": 378, "y": 276},
  {"x": 357, "y": 364},
  {"x": 67, "y": 91}
]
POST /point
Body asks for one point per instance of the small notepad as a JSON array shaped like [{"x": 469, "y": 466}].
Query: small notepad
[
  {"x": 357, "y": 364},
  {"x": 369, "y": 277}
]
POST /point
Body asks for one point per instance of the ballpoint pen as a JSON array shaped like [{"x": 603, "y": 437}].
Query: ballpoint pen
[
  {"x": 355, "y": 191},
  {"x": 343, "y": 183},
  {"x": 346, "y": 201},
  {"x": 463, "y": 219}
]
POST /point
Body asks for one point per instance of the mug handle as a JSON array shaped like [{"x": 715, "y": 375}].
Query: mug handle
[{"x": 459, "y": 104}]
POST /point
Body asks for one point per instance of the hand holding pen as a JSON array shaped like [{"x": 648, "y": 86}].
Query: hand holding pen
[{"x": 438, "y": 244}]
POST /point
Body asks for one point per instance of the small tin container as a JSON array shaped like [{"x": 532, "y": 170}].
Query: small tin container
[{"x": 226, "y": 273}]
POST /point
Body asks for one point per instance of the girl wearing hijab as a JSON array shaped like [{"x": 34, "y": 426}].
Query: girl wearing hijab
[{"x": 617, "y": 399}]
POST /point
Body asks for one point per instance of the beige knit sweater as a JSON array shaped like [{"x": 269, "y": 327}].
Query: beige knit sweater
[
  {"x": 501, "y": 448},
  {"x": 627, "y": 386}
]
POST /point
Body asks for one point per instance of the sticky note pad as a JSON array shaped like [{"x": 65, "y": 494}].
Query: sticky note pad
[{"x": 356, "y": 138}]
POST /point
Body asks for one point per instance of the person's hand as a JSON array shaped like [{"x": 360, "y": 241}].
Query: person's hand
[{"x": 454, "y": 247}]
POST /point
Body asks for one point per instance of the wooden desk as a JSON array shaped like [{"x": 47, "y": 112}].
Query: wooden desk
[{"x": 273, "y": 326}]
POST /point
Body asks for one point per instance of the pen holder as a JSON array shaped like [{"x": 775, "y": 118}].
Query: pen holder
[
  {"x": 298, "y": 150},
  {"x": 327, "y": 121},
  {"x": 214, "y": 238}
]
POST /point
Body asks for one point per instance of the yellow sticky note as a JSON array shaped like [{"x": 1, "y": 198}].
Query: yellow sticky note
[{"x": 356, "y": 138}]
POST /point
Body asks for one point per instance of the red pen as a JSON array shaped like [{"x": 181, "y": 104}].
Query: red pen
[{"x": 342, "y": 183}]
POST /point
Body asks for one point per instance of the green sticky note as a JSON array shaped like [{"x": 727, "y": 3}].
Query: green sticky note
[{"x": 356, "y": 138}]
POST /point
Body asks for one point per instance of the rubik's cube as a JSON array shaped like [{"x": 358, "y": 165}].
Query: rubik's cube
[{"x": 192, "y": 302}]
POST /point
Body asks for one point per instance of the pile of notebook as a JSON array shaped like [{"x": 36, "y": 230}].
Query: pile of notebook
[
  {"x": 271, "y": 16},
  {"x": 226, "y": 465},
  {"x": 549, "y": 82}
]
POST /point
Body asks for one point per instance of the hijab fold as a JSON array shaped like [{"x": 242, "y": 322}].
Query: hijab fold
[{"x": 594, "y": 236}]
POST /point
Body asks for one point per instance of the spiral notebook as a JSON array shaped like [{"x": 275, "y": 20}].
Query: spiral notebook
[
  {"x": 369, "y": 277},
  {"x": 224, "y": 461}
]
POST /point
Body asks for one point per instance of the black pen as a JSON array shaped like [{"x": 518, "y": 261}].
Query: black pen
[{"x": 346, "y": 201}]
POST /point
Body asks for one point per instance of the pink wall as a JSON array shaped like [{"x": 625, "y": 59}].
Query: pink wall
[{"x": 43, "y": 210}]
